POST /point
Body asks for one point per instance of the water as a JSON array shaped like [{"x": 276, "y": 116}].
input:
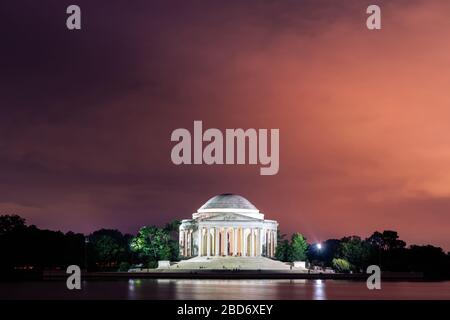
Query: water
[{"x": 226, "y": 289}]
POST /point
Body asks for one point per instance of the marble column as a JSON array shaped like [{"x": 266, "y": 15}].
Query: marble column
[
  {"x": 199, "y": 241},
  {"x": 186, "y": 244},
  {"x": 270, "y": 247},
  {"x": 208, "y": 244},
  {"x": 244, "y": 241},
  {"x": 191, "y": 245},
  {"x": 261, "y": 241},
  {"x": 256, "y": 241},
  {"x": 269, "y": 243},
  {"x": 273, "y": 243},
  {"x": 235, "y": 231},
  {"x": 185, "y": 241},
  {"x": 252, "y": 243},
  {"x": 226, "y": 241},
  {"x": 216, "y": 236},
  {"x": 188, "y": 234},
  {"x": 181, "y": 242},
  {"x": 241, "y": 244}
]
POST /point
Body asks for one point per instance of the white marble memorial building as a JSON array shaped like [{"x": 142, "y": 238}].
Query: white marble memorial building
[{"x": 228, "y": 225}]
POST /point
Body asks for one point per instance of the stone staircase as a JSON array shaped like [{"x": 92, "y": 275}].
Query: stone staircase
[{"x": 230, "y": 263}]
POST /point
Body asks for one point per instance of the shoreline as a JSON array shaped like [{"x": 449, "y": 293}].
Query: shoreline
[{"x": 232, "y": 274}]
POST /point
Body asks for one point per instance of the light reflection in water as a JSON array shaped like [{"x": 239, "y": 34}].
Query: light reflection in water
[
  {"x": 319, "y": 292},
  {"x": 265, "y": 289},
  {"x": 241, "y": 289},
  {"x": 133, "y": 285},
  {"x": 226, "y": 289}
]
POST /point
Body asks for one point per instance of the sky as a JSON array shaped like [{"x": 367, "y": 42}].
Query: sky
[{"x": 86, "y": 116}]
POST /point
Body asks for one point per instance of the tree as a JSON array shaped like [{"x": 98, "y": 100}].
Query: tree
[
  {"x": 152, "y": 244},
  {"x": 340, "y": 265},
  {"x": 173, "y": 226},
  {"x": 108, "y": 247},
  {"x": 32, "y": 249},
  {"x": 297, "y": 248},
  {"x": 430, "y": 260},
  {"x": 386, "y": 241},
  {"x": 355, "y": 251},
  {"x": 376, "y": 240},
  {"x": 391, "y": 240},
  {"x": 173, "y": 229},
  {"x": 387, "y": 250},
  {"x": 281, "y": 252},
  {"x": 11, "y": 223}
]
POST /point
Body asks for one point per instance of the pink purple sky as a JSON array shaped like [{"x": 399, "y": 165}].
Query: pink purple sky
[{"x": 86, "y": 116}]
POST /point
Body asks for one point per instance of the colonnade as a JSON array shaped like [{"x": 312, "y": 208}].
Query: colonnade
[{"x": 228, "y": 241}]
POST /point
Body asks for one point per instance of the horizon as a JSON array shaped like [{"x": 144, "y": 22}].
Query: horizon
[{"x": 285, "y": 235}]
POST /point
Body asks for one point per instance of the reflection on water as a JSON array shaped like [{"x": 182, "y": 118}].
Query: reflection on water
[
  {"x": 319, "y": 290},
  {"x": 181, "y": 289}
]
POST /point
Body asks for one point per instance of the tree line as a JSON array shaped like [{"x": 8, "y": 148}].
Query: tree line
[
  {"x": 354, "y": 254},
  {"x": 28, "y": 249}
]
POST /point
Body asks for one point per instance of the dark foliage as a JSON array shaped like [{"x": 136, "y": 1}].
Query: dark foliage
[
  {"x": 386, "y": 250},
  {"x": 29, "y": 249}
]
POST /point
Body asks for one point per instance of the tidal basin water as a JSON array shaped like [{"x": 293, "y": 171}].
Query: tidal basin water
[{"x": 143, "y": 289}]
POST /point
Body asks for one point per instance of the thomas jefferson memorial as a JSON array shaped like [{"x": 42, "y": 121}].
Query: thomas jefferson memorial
[{"x": 228, "y": 225}]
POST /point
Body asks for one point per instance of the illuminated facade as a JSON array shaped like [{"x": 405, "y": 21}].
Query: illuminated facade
[{"x": 228, "y": 225}]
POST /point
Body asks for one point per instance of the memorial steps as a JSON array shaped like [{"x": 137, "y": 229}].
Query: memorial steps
[{"x": 230, "y": 263}]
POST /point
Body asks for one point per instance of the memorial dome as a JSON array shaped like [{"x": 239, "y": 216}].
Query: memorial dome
[{"x": 227, "y": 201}]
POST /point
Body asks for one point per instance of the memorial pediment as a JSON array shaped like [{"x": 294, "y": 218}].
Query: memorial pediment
[{"x": 228, "y": 217}]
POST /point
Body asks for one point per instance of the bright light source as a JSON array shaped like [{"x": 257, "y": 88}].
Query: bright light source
[{"x": 319, "y": 246}]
